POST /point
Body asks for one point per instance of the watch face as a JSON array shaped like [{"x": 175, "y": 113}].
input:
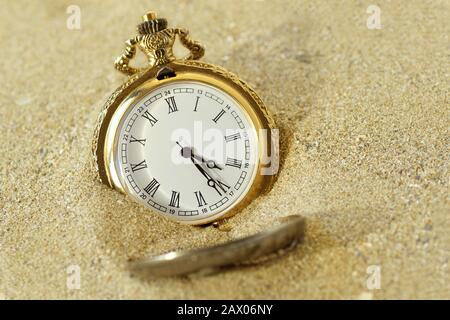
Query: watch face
[{"x": 187, "y": 150}]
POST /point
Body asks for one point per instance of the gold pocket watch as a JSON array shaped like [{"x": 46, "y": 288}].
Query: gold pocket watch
[{"x": 187, "y": 139}]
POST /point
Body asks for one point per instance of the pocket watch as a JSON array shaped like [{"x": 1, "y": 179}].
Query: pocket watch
[{"x": 187, "y": 139}]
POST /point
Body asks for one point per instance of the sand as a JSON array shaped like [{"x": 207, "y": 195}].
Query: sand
[{"x": 364, "y": 116}]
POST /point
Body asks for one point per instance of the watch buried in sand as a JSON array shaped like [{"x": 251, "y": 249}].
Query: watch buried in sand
[{"x": 187, "y": 139}]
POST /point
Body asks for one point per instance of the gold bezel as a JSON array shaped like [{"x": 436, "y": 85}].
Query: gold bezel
[{"x": 139, "y": 85}]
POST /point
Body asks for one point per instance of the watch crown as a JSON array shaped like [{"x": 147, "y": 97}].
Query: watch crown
[{"x": 151, "y": 24}]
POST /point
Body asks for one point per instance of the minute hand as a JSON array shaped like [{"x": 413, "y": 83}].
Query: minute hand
[{"x": 211, "y": 182}]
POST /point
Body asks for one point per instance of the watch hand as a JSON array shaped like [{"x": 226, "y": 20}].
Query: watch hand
[
  {"x": 211, "y": 164},
  {"x": 188, "y": 152}
]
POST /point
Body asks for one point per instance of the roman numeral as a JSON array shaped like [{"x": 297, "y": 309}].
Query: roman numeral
[
  {"x": 150, "y": 118},
  {"x": 201, "y": 201},
  {"x": 172, "y": 104},
  {"x": 220, "y": 114},
  {"x": 141, "y": 141},
  {"x": 138, "y": 166},
  {"x": 232, "y": 137},
  {"x": 175, "y": 199},
  {"x": 233, "y": 163},
  {"x": 152, "y": 187},
  {"x": 196, "y": 103}
]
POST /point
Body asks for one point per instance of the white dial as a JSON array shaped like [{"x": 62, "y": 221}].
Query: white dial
[{"x": 187, "y": 150}]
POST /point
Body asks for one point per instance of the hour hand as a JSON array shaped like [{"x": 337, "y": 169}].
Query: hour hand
[{"x": 211, "y": 164}]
